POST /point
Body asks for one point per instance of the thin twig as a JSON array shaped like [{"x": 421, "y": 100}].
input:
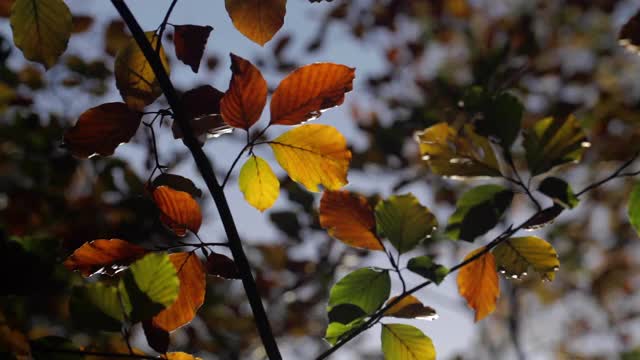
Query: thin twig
[
  {"x": 615, "y": 174},
  {"x": 233, "y": 165},
  {"x": 163, "y": 25}
]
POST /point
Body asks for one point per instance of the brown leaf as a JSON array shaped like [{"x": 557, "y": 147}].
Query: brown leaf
[
  {"x": 629, "y": 36},
  {"x": 190, "y": 41},
  {"x": 115, "y": 37},
  {"x": 103, "y": 256},
  {"x": 304, "y": 93},
  {"x": 349, "y": 218},
  {"x": 178, "y": 210},
  {"x": 222, "y": 266},
  {"x": 192, "y": 277},
  {"x": 5, "y": 8},
  {"x": 101, "y": 129},
  {"x": 258, "y": 20},
  {"x": 478, "y": 283},
  {"x": 81, "y": 23},
  {"x": 242, "y": 104},
  {"x": 202, "y": 106},
  {"x": 410, "y": 308}
]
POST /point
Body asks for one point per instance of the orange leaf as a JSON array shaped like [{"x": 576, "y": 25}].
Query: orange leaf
[
  {"x": 410, "y": 308},
  {"x": 202, "y": 107},
  {"x": 101, "y": 129},
  {"x": 179, "y": 211},
  {"x": 192, "y": 277},
  {"x": 242, "y": 104},
  {"x": 349, "y": 218},
  {"x": 190, "y": 41},
  {"x": 304, "y": 93},
  {"x": 104, "y": 256},
  {"x": 258, "y": 20},
  {"x": 478, "y": 284}
]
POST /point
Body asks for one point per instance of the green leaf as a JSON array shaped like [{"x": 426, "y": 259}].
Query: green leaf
[
  {"x": 425, "y": 267},
  {"x": 346, "y": 313},
  {"x": 336, "y": 330},
  {"x": 551, "y": 142},
  {"x": 54, "y": 342},
  {"x": 406, "y": 342},
  {"x": 96, "y": 307},
  {"x": 478, "y": 211},
  {"x": 365, "y": 288},
  {"x": 634, "y": 207},
  {"x": 516, "y": 255},
  {"x": 152, "y": 285},
  {"x": 559, "y": 191},
  {"x": 404, "y": 221},
  {"x": 502, "y": 118},
  {"x": 41, "y": 29}
]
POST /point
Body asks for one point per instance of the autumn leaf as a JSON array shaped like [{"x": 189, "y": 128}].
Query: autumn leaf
[
  {"x": 349, "y": 218},
  {"x": 192, "y": 276},
  {"x": 101, "y": 129},
  {"x": 313, "y": 154},
  {"x": 115, "y": 37},
  {"x": 515, "y": 255},
  {"x": 222, "y": 266},
  {"x": 406, "y": 342},
  {"x": 176, "y": 182},
  {"x": 179, "y": 356},
  {"x": 157, "y": 338},
  {"x": 81, "y": 23},
  {"x": 258, "y": 183},
  {"x": 135, "y": 78},
  {"x": 258, "y": 20},
  {"x": 201, "y": 106},
  {"x": 190, "y": 41},
  {"x": 41, "y": 29},
  {"x": 103, "y": 256},
  {"x": 478, "y": 283},
  {"x": 242, "y": 104},
  {"x": 629, "y": 36},
  {"x": 410, "y": 307},
  {"x": 178, "y": 210},
  {"x": 307, "y": 91}
]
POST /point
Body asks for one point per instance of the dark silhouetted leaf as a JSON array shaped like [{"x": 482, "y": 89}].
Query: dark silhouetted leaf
[
  {"x": 502, "y": 118},
  {"x": 202, "y": 107},
  {"x": 410, "y": 308},
  {"x": 559, "y": 191},
  {"x": 190, "y": 41},
  {"x": 157, "y": 338},
  {"x": 177, "y": 182},
  {"x": 425, "y": 267},
  {"x": 222, "y": 266}
]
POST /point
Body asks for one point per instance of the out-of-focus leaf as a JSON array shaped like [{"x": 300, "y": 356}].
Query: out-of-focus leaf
[
  {"x": 306, "y": 92},
  {"x": 40, "y": 346},
  {"x": 287, "y": 222},
  {"x": 404, "y": 221},
  {"x": 41, "y": 29},
  {"x": 14, "y": 342},
  {"x": 349, "y": 218},
  {"x": 406, "y": 342},
  {"x": 515, "y": 255},
  {"x": 115, "y": 37},
  {"x": 258, "y": 183},
  {"x": 103, "y": 256},
  {"x": 157, "y": 338},
  {"x": 502, "y": 118},
  {"x": 559, "y": 191},
  {"x": 425, "y": 267},
  {"x": 135, "y": 78},
  {"x": 551, "y": 142},
  {"x": 179, "y": 211},
  {"x": 411, "y": 308},
  {"x": 457, "y": 154},
  {"x": 629, "y": 36},
  {"x": 179, "y": 356},
  {"x": 192, "y": 276},
  {"x": 366, "y": 288},
  {"x": 222, "y": 266},
  {"x": 109, "y": 300},
  {"x": 177, "y": 182},
  {"x": 101, "y": 129},
  {"x": 190, "y": 41},
  {"x": 81, "y": 23},
  {"x": 313, "y": 154},
  {"x": 258, "y": 20},
  {"x": 478, "y": 283},
  {"x": 478, "y": 211},
  {"x": 94, "y": 307},
  {"x": 244, "y": 101},
  {"x": 633, "y": 207}
]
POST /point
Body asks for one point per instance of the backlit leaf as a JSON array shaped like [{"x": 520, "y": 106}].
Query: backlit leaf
[
  {"x": 101, "y": 129},
  {"x": 457, "y": 154},
  {"x": 41, "y": 29},
  {"x": 404, "y": 221},
  {"x": 103, "y": 256},
  {"x": 478, "y": 284},
  {"x": 515, "y": 255},
  {"x": 192, "y": 276},
  {"x": 202, "y": 107},
  {"x": 554, "y": 141},
  {"x": 425, "y": 267},
  {"x": 258, "y": 183},
  {"x": 177, "y": 182},
  {"x": 349, "y": 218},
  {"x": 243, "y": 103},
  {"x": 477, "y": 211},
  {"x": 365, "y": 288},
  {"x": 406, "y": 342},
  {"x": 179, "y": 211},
  {"x": 258, "y": 20},
  {"x": 108, "y": 300},
  {"x": 179, "y": 356},
  {"x": 190, "y": 41},
  {"x": 222, "y": 266},
  {"x": 313, "y": 154},
  {"x": 410, "y": 308},
  {"x": 307, "y": 91},
  {"x": 135, "y": 78},
  {"x": 559, "y": 191},
  {"x": 633, "y": 207},
  {"x": 96, "y": 306},
  {"x": 336, "y": 330}
]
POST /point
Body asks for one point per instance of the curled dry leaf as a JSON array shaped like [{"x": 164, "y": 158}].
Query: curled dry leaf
[
  {"x": 242, "y": 104},
  {"x": 258, "y": 20},
  {"x": 410, "y": 308},
  {"x": 101, "y": 129},
  {"x": 190, "y": 41},
  {"x": 303, "y": 94},
  {"x": 104, "y": 256},
  {"x": 178, "y": 210},
  {"x": 478, "y": 284},
  {"x": 222, "y": 266},
  {"x": 349, "y": 218}
]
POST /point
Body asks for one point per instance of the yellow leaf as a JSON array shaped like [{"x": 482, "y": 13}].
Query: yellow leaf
[
  {"x": 135, "y": 78},
  {"x": 478, "y": 283},
  {"x": 258, "y": 183},
  {"x": 258, "y": 20},
  {"x": 410, "y": 308},
  {"x": 41, "y": 29},
  {"x": 313, "y": 155},
  {"x": 516, "y": 255}
]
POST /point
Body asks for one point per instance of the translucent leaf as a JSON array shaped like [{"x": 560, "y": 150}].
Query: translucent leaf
[
  {"x": 177, "y": 182},
  {"x": 559, "y": 191},
  {"x": 633, "y": 207},
  {"x": 478, "y": 283},
  {"x": 179, "y": 356},
  {"x": 179, "y": 211},
  {"x": 97, "y": 306},
  {"x": 336, "y": 330},
  {"x": 258, "y": 183},
  {"x": 190, "y": 41},
  {"x": 108, "y": 256},
  {"x": 425, "y": 267},
  {"x": 258, "y": 20},
  {"x": 366, "y": 288},
  {"x": 406, "y": 342},
  {"x": 244, "y": 101},
  {"x": 410, "y": 308},
  {"x": 515, "y": 256}
]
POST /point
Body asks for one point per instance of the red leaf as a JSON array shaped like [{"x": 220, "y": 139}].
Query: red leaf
[
  {"x": 190, "y": 41},
  {"x": 478, "y": 283},
  {"x": 222, "y": 266},
  {"x": 242, "y": 104},
  {"x": 104, "y": 256},
  {"x": 178, "y": 210}
]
